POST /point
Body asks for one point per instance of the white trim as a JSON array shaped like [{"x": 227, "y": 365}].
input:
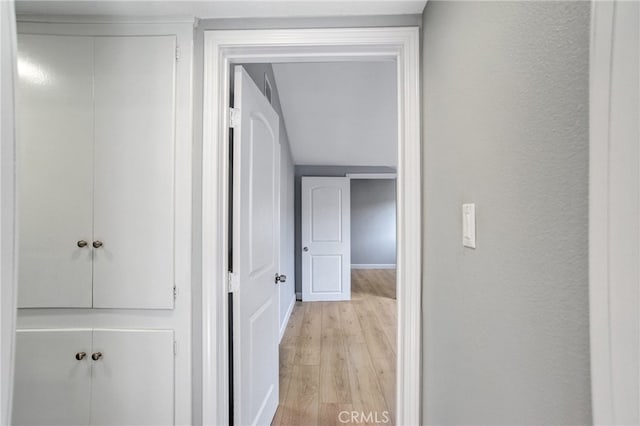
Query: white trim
[
  {"x": 8, "y": 282},
  {"x": 373, "y": 266},
  {"x": 287, "y": 316},
  {"x": 600, "y": 59},
  {"x": 614, "y": 194},
  {"x": 371, "y": 175},
  {"x": 105, "y": 19},
  {"x": 221, "y": 48}
]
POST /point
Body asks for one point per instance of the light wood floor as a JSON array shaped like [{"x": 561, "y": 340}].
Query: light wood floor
[{"x": 341, "y": 356}]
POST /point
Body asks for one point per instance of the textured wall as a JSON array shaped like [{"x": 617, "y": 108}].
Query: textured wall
[
  {"x": 505, "y": 119},
  {"x": 373, "y": 221}
]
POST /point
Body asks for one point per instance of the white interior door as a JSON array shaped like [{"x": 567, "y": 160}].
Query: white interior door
[
  {"x": 52, "y": 387},
  {"x": 326, "y": 238},
  {"x": 55, "y": 170},
  {"x": 134, "y": 172},
  {"x": 133, "y": 378},
  {"x": 255, "y": 254}
]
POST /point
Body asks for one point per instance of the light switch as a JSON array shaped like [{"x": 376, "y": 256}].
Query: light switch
[{"x": 469, "y": 225}]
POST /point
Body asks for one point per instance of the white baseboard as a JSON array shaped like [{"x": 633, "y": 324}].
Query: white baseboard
[
  {"x": 373, "y": 266},
  {"x": 283, "y": 326}
]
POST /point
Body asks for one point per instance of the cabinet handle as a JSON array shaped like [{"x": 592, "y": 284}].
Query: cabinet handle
[
  {"x": 81, "y": 355},
  {"x": 97, "y": 244},
  {"x": 82, "y": 243},
  {"x": 96, "y": 356}
]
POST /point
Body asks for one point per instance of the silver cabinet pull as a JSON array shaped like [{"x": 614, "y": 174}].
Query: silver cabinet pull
[
  {"x": 280, "y": 278},
  {"x": 82, "y": 243},
  {"x": 306, "y": 249},
  {"x": 96, "y": 356},
  {"x": 97, "y": 244},
  {"x": 81, "y": 355}
]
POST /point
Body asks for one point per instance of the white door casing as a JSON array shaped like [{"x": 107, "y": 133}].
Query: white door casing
[
  {"x": 225, "y": 47},
  {"x": 614, "y": 205},
  {"x": 326, "y": 238},
  {"x": 256, "y": 235}
]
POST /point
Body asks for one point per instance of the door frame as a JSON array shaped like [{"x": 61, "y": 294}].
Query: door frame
[{"x": 225, "y": 47}]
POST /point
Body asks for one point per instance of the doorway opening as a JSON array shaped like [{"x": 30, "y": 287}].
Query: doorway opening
[{"x": 225, "y": 48}]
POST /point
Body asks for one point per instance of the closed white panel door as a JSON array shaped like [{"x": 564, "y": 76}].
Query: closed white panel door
[
  {"x": 133, "y": 377},
  {"x": 134, "y": 172},
  {"x": 52, "y": 377},
  {"x": 255, "y": 254},
  {"x": 326, "y": 238},
  {"x": 55, "y": 170}
]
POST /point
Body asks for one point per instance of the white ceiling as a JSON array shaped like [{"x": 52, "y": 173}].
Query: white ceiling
[
  {"x": 340, "y": 113},
  {"x": 220, "y": 8}
]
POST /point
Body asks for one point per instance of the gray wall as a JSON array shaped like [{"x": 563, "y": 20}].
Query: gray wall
[
  {"x": 505, "y": 108},
  {"x": 319, "y": 171},
  {"x": 373, "y": 221}
]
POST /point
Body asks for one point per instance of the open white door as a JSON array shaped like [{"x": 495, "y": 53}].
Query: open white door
[
  {"x": 326, "y": 238},
  {"x": 256, "y": 223}
]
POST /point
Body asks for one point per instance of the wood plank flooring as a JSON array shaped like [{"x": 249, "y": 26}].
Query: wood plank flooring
[{"x": 338, "y": 357}]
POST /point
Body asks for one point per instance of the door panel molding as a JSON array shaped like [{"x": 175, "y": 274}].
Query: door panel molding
[{"x": 223, "y": 48}]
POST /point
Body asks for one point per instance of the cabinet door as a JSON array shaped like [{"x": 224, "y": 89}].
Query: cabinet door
[
  {"x": 55, "y": 170},
  {"x": 134, "y": 172},
  {"x": 51, "y": 386},
  {"x": 133, "y": 380}
]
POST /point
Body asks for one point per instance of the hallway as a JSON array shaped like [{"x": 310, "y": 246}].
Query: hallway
[{"x": 338, "y": 357}]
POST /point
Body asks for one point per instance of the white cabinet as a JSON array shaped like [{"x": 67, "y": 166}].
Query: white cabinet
[
  {"x": 134, "y": 172},
  {"x": 126, "y": 377},
  {"x": 51, "y": 386},
  {"x": 96, "y": 165},
  {"x": 55, "y": 173}
]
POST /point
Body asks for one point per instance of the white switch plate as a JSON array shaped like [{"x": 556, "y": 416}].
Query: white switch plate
[{"x": 469, "y": 225}]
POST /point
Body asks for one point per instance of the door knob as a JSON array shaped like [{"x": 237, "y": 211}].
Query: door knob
[
  {"x": 306, "y": 249},
  {"x": 82, "y": 243},
  {"x": 81, "y": 355},
  {"x": 97, "y": 244},
  {"x": 96, "y": 356},
  {"x": 280, "y": 278}
]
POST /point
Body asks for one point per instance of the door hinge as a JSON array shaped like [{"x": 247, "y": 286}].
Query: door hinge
[
  {"x": 233, "y": 282},
  {"x": 175, "y": 292},
  {"x": 234, "y": 117},
  {"x": 177, "y": 53},
  {"x": 175, "y": 348}
]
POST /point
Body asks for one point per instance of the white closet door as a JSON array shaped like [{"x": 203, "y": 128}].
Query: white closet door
[
  {"x": 326, "y": 238},
  {"x": 55, "y": 170},
  {"x": 52, "y": 387},
  {"x": 133, "y": 378},
  {"x": 134, "y": 172}
]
